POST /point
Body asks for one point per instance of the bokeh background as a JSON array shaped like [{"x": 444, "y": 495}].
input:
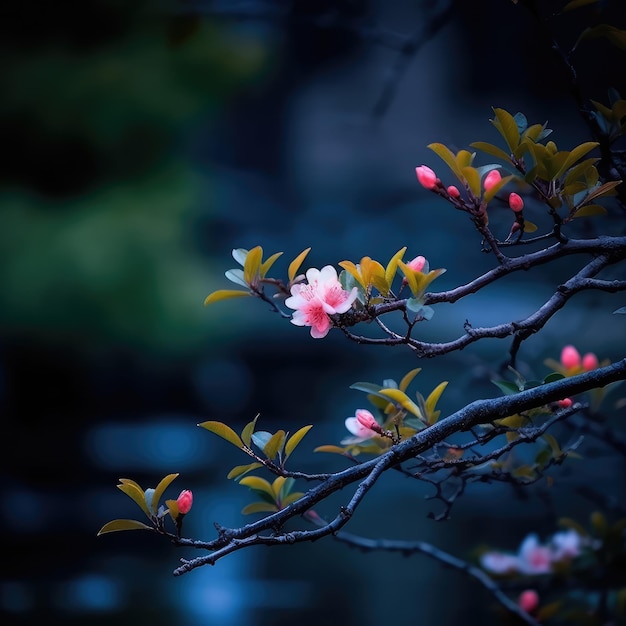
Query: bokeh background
[{"x": 141, "y": 143}]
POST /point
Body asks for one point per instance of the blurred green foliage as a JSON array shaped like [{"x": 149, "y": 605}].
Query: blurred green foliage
[{"x": 99, "y": 200}]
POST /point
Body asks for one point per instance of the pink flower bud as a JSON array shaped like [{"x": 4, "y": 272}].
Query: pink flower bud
[
  {"x": 566, "y": 403},
  {"x": 453, "y": 192},
  {"x": 492, "y": 179},
  {"x": 366, "y": 419},
  {"x": 426, "y": 176},
  {"x": 417, "y": 263},
  {"x": 570, "y": 357},
  {"x": 515, "y": 202},
  {"x": 590, "y": 362},
  {"x": 184, "y": 501},
  {"x": 528, "y": 601}
]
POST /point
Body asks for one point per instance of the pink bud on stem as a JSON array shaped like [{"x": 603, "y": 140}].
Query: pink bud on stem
[
  {"x": 426, "y": 176},
  {"x": 528, "y": 601},
  {"x": 366, "y": 419},
  {"x": 515, "y": 202},
  {"x": 184, "y": 501},
  {"x": 492, "y": 178}
]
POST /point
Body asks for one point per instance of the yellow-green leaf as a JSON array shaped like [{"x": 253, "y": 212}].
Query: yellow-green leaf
[
  {"x": 352, "y": 269},
  {"x": 295, "y": 439},
  {"x": 491, "y": 149},
  {"x": 134, "y": 491},
  {"x": 160, "y": 488},
  {"x": 392, "y": 266},
  {"x": 615, "y": 35},
  {"x": 506, "y": 124},
  {"x": 223, "y": 431},
  {"x": 240, "y": 470},
  {"x": 294, "y": 266},
  {"x": 553, "y": 443},
  {"x": 399, "y": 397},
  {"x": 225, "y": 294},
  {"x": 529, "y": 227},
  {"x": 331, "y": 449},
  {"x": 473, "y": 179},
  {"x": 574, "y": 4},
  {"x": 291, "y": 498},
  {"x": 248, "y": 429},
  {"x": 464, "y": 158},
  {"x": 447, "y": 155},
  {"x": 265, "y": 267},
  {"x": 259, "y": 507},
  {"x": 432, "y": 400},
  {"x": 259, "y": 484},
  {"x": 172, "y": 507},
  {"x": 602, "y": 190},
  {"x": 274, "y": 444},
  {"x": 123, "y": 524},
  {"x": 252, "y": 266},
  {"x": 408, "y": 378},
  {"x": 277, "y": 485}
]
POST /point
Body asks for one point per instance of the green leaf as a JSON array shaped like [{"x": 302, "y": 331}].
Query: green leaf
[
  {"x": 529, "y": 227},
  {"x": 602, "y": 190},
  {"x": 551, "y": 378},
  {"x": 134, "y": 491},
  {"x": 123, "y": 524},
  {"x": 240, "y": 470},
  {"x": 554, "y": 444},
  {"x": 252, "y": 266},
  {"x": 507, "y": 126},
  {"x": 274, "y": 445},
  {"x": 224, "y": 294},
  {"x": 223, "y": 431},
  {"x": 506, "y": 387},
  {"x": 159, "y": 489},
  {"x": 589, "y": 210},
  {"x": 248, "y": 429},
  {"x": 294, "y": 266},
  {"x": 616, "y": 36},
  {"x": 295, "y": 439},
  {"x": 432, "y": 400},
  {"x": 575, "y": 155},
  {"x": 489, "y": 148},
  {"x": 259, "y": 507},
  {"x": 574, "y": 4}
]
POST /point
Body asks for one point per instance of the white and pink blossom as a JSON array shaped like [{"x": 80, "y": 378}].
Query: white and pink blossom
[
  {"x": 362, "y": 426},
  {"x": 534, "y": 558},
  {"x": 500, "y": 562},
  {"x": 319, "y": 298}
]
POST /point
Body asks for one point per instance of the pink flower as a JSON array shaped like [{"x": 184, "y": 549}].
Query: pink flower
[
  {"x": 570, "y": 357},
  {"x": 499, "y": 562},
  {"x": 367, "y": 420},
  {"x": 590, "y": 362},
  {"x": 566, "y": 545},
  {"x": 316, "y": 301},
  {"x": 534, "y": 558},
  {"x": 184, "y": 501},
  {"x": 361, "y": 433},
  {"x": 453, "y": 192},
  {"x": 426, "y": 176},
  {"x": 528, "y": 601},
  {"x": 417, "y": 264},
  {"x": 492, "y": 178},
  {"x": 515, "y": 202}
]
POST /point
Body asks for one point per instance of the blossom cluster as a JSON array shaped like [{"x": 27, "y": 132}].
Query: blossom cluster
[
  {"x": 534, "y": 557},
  {"x": 429, "y": 180},
  {"x": 363, "y": 426}
]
